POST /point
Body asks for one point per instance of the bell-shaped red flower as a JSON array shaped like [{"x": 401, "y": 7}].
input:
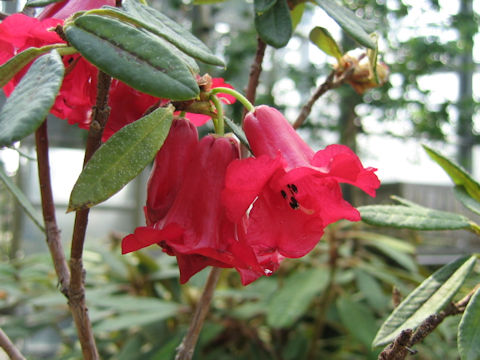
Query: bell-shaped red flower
[
  {"x": 184, "y": 212},
  {"x": 293, "y": 192}
]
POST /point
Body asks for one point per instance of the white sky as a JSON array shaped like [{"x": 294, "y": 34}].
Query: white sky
[{"x": 396, "y": 160}]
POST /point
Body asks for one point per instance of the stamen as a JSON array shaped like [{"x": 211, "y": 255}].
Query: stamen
[
  {"x": 293, "y": 203},
  {"x": 293, "y": 188},
  {"x": 284, "y": 194}
]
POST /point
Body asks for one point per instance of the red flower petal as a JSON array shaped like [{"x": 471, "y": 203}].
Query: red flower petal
[
  {"x": 225, "y": 98},
  {"x": 63, "y": 9},
  {"x": 169, "y": 169}
]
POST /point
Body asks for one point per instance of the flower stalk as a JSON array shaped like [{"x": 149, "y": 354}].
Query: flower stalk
[
  {"x": 218, "y": 121},
  {"x": 187, "y": 347},
  {"x": 248, "y": 105}
]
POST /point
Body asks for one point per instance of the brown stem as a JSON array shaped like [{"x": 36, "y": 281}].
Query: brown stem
[
  {"x": 77, "y": 289},
  {"x": 330, "y": 83},
  {"x": 9, "y": 347},
  {"x": 400, "y": 347},
  {"x": 48, "y": 209},
  {"x": 255, "y": 71},
  {"x": 187, "y": 347}
]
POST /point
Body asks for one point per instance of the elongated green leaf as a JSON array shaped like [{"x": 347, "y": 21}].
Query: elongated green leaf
[
  {"x": 40, "y": 3},
  {"x": 469, "y": 330},
  {"x": 125, "y": 303},
  {"x": 405, "y": 202},
  {"x": 134, "y": 56},
  {"x": 9, "y": 69},
  {"x": 348, "y": 21},
  {"x": 171, "y": 31},
  {"x": 398, "y": 256},
  {"x": 467, "y": 201},
  {"x": 392, "y": 242},
  {"x": 293, "y": 299},
  {"x": 22, "y": 200},
  {"x": 358, "y": 319},
  {"x": 418, "y": 218},
  {"x": 121, "y": 159},
  {"x": 206, "y": 2},
  {"x": 129, "y": 320},
  {"x": 275, "y": 25},
  {"x": 30, "y": 102},
  {"x": 372, "y": 290},
  {"x": 427, "y": 299},
  {"x": 325, "y": 42},
  {"x": 458, "y": 175},
  {"x": 261, "y": 6}
]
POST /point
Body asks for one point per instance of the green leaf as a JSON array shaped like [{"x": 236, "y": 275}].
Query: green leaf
[
  {"x": 121, "y": 159},
  {"x": 417, "y": 218},
  {"x": 40, "y": 3},
  {"x": 22, "y": 200},
  {"x": 358, "y": 319},
  {"x": 427, "y": 299},
  {"x": 292, "y": 300},
  {"x": 296, "y": 14},
  {"x": 9, "y": 69},
  {"x": 132, "y": 55},
  {"x": 275, "y": 25},
  {"x": 349, "y": 22},
  {"x": 28, "y": 105},
  {"x": 405, "y": 202},
  {"x": 458, "y": 175},
  {"x": 126, "y": 303},
  {"x": 129, "y": 320},
  {"x": 149, "y": 18},
  {"x": 324, "y": 40},
  {"x": 397, "y": 254},
  {"x": 206, "y": 2},
  {"x": 261, "y": 6},
  {"x": 392, "y": 242},
  {"x": 469, "y": 330},
  {"x": 467, "y": 201},
  {"x": 372, "y": 290}
]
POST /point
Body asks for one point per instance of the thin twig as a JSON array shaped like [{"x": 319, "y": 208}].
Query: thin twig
[
  {"x": 330, "y": 83},
  {"x": 9, "y": 347},
  {"x": 48, "y": 209},
  {"x": 400, "y": 347},
  {"x": 396, "y": 297},
  {"x": 77, "y": 288},
  {"x": 187, "y": 347},
  {"x": 255, "y": 71}
]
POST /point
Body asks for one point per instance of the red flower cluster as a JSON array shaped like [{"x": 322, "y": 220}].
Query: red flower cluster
[
  {"x": 207, "y": 207},
  {"x": 184, "y": 212}
]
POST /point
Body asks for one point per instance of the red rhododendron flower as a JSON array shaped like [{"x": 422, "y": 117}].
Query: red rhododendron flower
[
  {"x": 77, "y": 93},
  {"x": 184, "y": 210},
  {"x": 295, "y": 192}
]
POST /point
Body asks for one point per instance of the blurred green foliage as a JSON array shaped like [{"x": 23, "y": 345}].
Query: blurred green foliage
[{"x": 328, "y": 304}]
